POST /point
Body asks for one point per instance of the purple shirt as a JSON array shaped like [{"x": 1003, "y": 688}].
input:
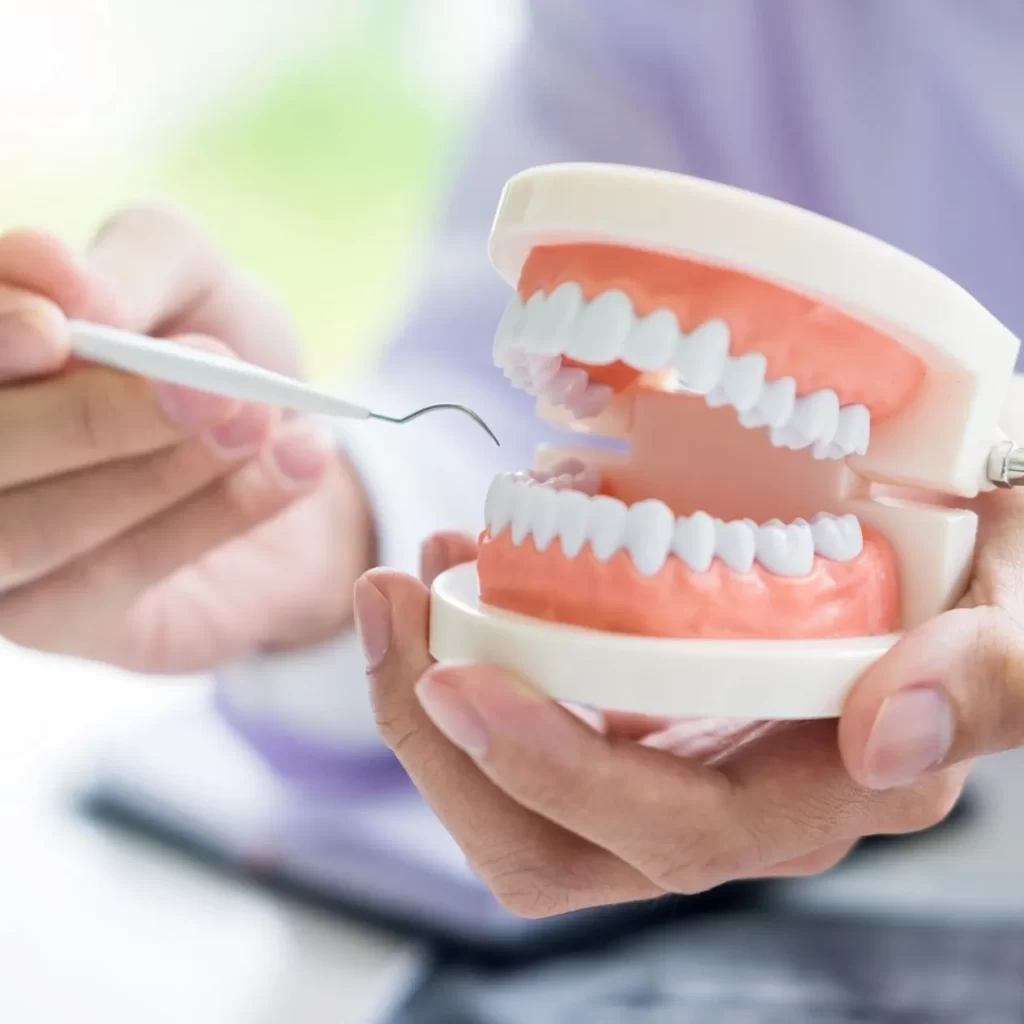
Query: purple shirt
[{"x": 904, "y": 118}]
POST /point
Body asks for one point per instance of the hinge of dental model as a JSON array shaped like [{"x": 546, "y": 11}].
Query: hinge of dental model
[{"x": 1006, "y": 465}]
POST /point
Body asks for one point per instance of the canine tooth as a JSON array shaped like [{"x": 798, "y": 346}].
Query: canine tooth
[
  {"x": 816, "y": 416},
  {"x": 652, "y": 341},
  {"x": 734, "y": 545},
  {"x": 693, "y": 540},
  {"x": 551, "y": 325},
  {"x": 700, "y": 356},
  {"x": 649, "y": 528},
  {"x": 506, "y": 335},
  {"x": 521, "y": 509},
  {"x": 498, "y": 504},
  {"x": 743, "y": 379},
  {"x": 775, "y": 406},
  {"x": 566, "y": 385},
  {"x": 572, "y": 516},
  {"x": 786, "y": 550},
  {"x": 606, "y": 527},
  {"x": 599, "y": 335},
  {"x": 837, "y": 537},
  {"x": 542, "y": 505},
  {"x": 854, "y": 430}
]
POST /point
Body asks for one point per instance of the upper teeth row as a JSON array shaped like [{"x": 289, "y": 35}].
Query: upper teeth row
[
  {"x": 532, "y": 336},
  {"x": 650, "y": 532}
]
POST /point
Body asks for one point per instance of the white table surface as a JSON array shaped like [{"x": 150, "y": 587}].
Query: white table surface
[{"x": 96, "y": 926}]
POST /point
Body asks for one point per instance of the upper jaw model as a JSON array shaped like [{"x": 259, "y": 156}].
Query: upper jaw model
[{"x": 788, "y": 389}]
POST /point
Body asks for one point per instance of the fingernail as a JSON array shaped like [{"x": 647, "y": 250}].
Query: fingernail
[
  {"x": 242, "y": 433},
  {"x": 373, "y": 622},
  {"x": 28, "y": 342},
  {"x": 586, "y": 714},
  {"x": 302, "y": 456},
  {"x": 912, "y": 734},
  {"x": 452, "y": 714},
  {"x": 187, "y": 408}
]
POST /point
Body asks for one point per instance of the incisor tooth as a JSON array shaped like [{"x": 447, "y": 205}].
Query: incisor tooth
[
  {"x": 572, "y": 516},
  {"x": 551, "y": 327},
  {"x": 700, "y": 357},
  {"x": 607, "y": 526},
  {"x": 521, "y": 509},
  {"x": 543, "y": 512},
  {"x": 506, "y": 335},
  {"x": 652, "y": 341},
  {"x": 599, "y": 335},
  {"x": 743, "y": 379},
  {"x": 649, "y": 528}
]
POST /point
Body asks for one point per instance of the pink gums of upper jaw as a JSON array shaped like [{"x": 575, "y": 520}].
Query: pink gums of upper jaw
[{"x": 816, "y": 345}]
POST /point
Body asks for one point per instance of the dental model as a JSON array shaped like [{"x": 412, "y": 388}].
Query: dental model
[{"x": 788, "y": 388}]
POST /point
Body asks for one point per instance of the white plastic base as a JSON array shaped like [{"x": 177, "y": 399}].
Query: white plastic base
[{"x": 759, "y": 679}]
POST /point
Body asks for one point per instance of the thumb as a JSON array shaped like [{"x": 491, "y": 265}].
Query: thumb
[{"x": 949, "y": 691}]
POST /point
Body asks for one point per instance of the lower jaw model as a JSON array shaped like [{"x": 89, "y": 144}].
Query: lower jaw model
[{"x": 788, "y": 389}]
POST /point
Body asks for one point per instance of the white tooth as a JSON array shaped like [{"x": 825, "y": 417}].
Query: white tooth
[
  {"x": 789, "y": 437},
  {"x": 560, "y": 483},
  {"x": 743, "y": 379},
  {"x": 816, "y": 416},
  {"x": 751, "y": 418},
  {"x": 551, "y": 327},
  {"x": 734, "y": 545},
  {"x": 694, "y": 541},
  {"x": 823, "y": 450},
  {"x": 498, "y": 506},
  {"x": 854, "y": 429},
  {"x": 543, "y": 513},
  {"x": 716, "y": 397},
  {"x": 652, "y": 341},
  {"x": 607, "y": 526},
  {"x": 594, "y": 399},
  {"x": 572, "y": 516},
  {"x": 649, "y": 528},
  {"x": 531, "y": 339},
  {"x": 566, "y": 385},
  {"x": 506, "y": 334},
  {"x": 521, "y": 508},
  {"x": 785, "y": 550},
  {"x": 775, "y": 405},
  {"x": 700, "y": 357},
  {"x": 837, "y": 537},
  {"x": 599, "y": 335}
]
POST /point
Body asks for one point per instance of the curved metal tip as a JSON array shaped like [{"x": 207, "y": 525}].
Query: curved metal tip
[{"x": 434, "y": 408}]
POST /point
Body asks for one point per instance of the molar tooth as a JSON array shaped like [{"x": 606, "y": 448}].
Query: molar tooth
[
  {"x": 542, "y": 515},
  {"x": 551, "y": 327},
  {"x": 854, "y": 429},
  {"x": 693, "y": 541},
  {"x": 734, "y": 544},
  {"x": 572, "y": 517},
  {"x": 775, "y": 406},
  {"x": 566, "y": 385},
  {"x": 607, "y": 525},
  {"x": 700, "y": 356},
  {"x": 652, "y": 341},
  {"x": 751, "y": 418},
  {"x": 789, "y": 436},
  {"x": 743, "y": 379},
  {"x": 649, "y": 528},
  {"x": 786, "y": 550},
  {"x": 716, "y": 397},
  {"x": 816, "y": 416},
  {"x": 506, "y": 335},
  {"x": 599, "y": 335},
  {"x": 837, "y": 537}
]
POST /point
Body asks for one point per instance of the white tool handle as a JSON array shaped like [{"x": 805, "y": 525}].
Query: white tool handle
[{"x": 204, "y": 371}]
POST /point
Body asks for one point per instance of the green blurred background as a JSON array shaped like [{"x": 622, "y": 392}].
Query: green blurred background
[{"x": 310, "y": 135}]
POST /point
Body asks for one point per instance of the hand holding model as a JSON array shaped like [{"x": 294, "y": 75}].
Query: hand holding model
[
  {"x": 791, "y": 610},
  {"x": 150, "y": 526}
]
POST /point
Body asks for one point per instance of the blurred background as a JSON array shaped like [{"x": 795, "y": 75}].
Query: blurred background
[{"x": 309, "y": 135}]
